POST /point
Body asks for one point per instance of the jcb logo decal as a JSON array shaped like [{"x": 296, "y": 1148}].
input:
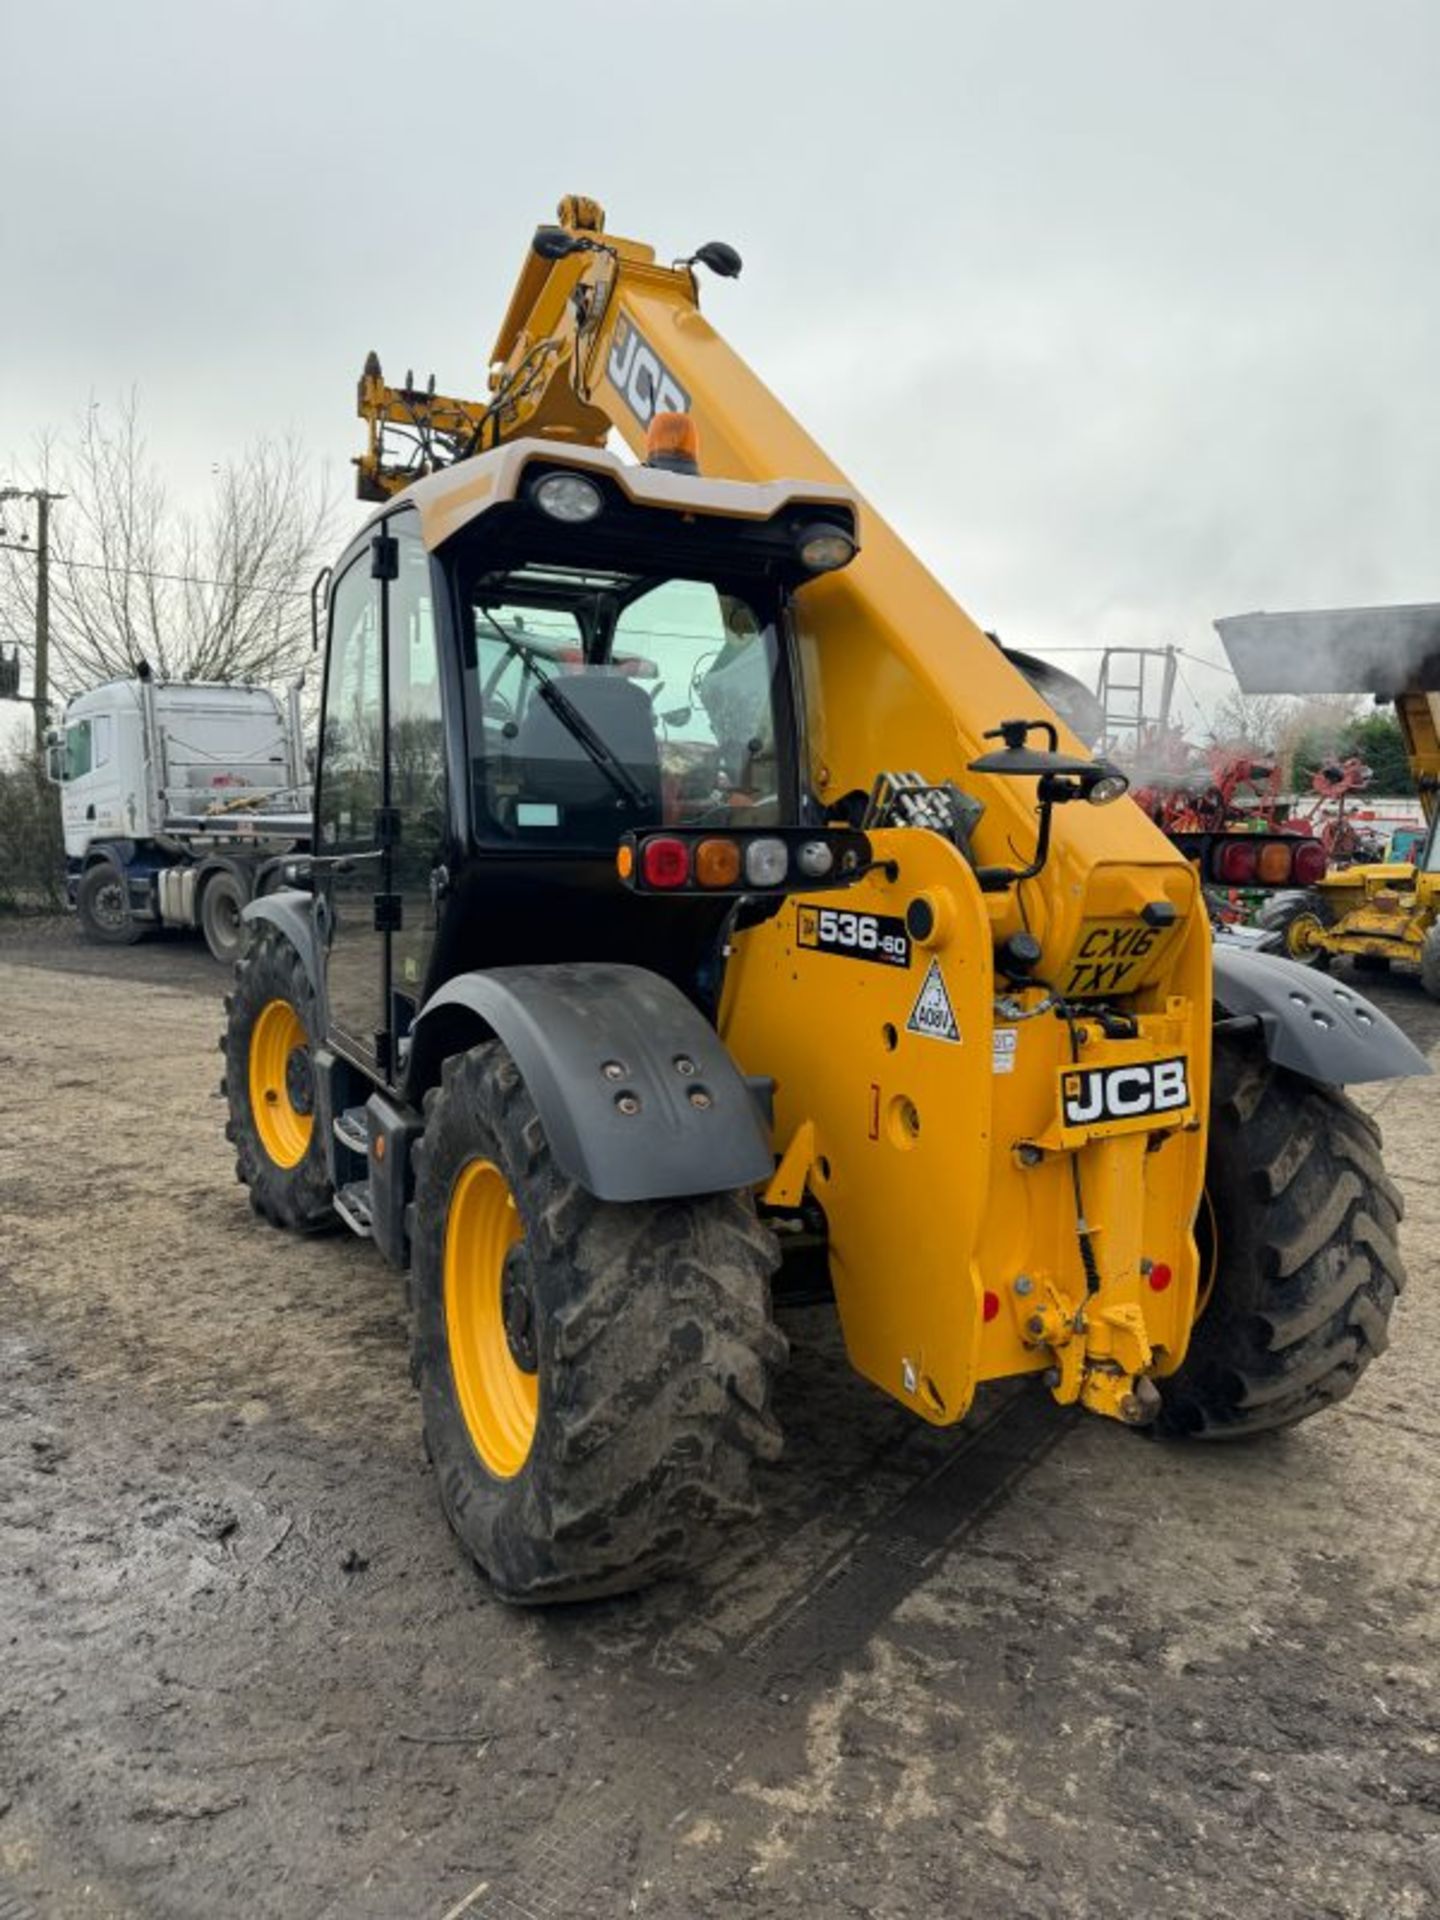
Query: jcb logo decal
[
  {"x": 641, "y": 378},
  {"x": 1094, "y": 1094}
]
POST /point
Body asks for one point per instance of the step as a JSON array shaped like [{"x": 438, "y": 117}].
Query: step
[
  {"x": 352, "y": 1203},
  {"x": 352, "y": 1130}
]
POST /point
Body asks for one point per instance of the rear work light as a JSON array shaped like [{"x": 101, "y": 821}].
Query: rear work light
[{"x": 664, "y": 862}]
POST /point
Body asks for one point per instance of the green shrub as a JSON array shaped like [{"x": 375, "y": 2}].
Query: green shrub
[{"x": 32, "y": 847}]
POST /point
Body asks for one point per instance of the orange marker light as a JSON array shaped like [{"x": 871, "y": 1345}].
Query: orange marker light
[
  {"x": 673, "y": 442},
  {"x": 1274, "y": 862},
  {"x": 625, "y": 862},
  {"x": 717, "y": 863}
]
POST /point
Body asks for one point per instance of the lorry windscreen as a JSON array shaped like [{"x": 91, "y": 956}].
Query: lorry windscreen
[{"x": 603, "y": 701}]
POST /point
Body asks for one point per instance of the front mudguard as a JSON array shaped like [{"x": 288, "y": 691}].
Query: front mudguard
[
  {"x": 1311, "y": 1024},
  {"x": 636, "y": 1092}
]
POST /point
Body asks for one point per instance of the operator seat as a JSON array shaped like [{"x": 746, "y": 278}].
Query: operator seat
[{"x": 554, "y": 766}]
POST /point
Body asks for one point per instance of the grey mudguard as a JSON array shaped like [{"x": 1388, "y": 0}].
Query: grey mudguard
[
  {"x": 1312, "y": 1024},
  {"x": 293, "y": 912},
  {"x": 566, "y": 1025}
]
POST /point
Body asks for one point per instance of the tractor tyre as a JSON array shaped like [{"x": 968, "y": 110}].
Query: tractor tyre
[
  {"x": 269, "y": 1043},
  {"x": 1300, "y": 1254},
  {"x": 1430, "y": 962},
  {"x": 102, "y": 906},
  {"x": 221, "y": 904},
  {"x": 595, "y": 1377},
  {"x": 1371, "y": 963},
  {"x": 1294, "y": 916}
]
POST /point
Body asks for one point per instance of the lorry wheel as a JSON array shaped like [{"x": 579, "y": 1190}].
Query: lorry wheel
[
  {"x": 1297, "y": 918},
  {"x": 1430, "y": 962},
  {"x": 221, "y": 904},
  {"x": 102, "y": 905},
  {"x": 1302, "y": 1257},
  {"x": 269, "y": 1042},
  {"x": 594, "y": 1377}
]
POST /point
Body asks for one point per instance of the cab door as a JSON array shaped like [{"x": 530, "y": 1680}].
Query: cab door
[
  {"x": 350, "y": 859},
  {"x": 383, "y": 807}
]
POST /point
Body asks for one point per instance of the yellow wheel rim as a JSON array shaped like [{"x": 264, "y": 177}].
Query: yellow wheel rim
[
  {"x": 498, "y": 1398},
  {"x": 283, "y": 1129},
  {"x": 1300, "y": 935}
]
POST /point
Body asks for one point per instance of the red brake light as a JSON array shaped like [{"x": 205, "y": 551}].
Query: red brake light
[
  {"x": 664, "y": 863},
  {"x": 1235, "y": 862},
  {"x": 1310, "y": 863},
  {"x": 1160, "y": 1277}
]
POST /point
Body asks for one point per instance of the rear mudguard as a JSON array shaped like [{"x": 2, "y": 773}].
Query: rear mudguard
[
  {"x": 636, "y": 1092},
  {"x": 1311, "y": 1024}
]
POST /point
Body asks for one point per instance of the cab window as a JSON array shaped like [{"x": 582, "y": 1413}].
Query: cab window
[{"x": 607, "y": 701}]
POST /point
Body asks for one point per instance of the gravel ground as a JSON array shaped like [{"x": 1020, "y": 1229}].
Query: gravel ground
[{"x": 1035, "y": 1668}]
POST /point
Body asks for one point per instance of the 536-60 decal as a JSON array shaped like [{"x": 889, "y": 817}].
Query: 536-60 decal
[{"x": 880, "y": 937}]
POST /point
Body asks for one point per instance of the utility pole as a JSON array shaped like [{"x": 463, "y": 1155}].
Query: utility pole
[{"x": 43, "y": 500}]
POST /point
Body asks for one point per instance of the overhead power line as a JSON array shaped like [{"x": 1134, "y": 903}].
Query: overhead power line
[{"x": 180, "y": 579}]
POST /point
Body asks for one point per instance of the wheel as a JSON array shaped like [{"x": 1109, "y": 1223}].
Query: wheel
[
  {"x": 269, "y": 1082},
  {"x": 1297, "y": 918},
  {"x": 103, "y": 906},
  {"x": 221, "y": 904},
  {"x": 1430, "y": 962},
  {"x": 1302, "y": 1263},
  {"x": 594, "y": 1377}
]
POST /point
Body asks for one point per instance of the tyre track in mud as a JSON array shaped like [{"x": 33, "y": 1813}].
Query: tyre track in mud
[{"x": 742, "y": 1711}]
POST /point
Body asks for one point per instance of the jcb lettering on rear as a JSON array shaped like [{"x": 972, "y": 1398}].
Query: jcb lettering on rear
[{"x": 1092, "y": 1096}]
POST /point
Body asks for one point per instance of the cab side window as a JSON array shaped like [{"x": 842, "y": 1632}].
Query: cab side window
[{"x": 352, "y": 734}]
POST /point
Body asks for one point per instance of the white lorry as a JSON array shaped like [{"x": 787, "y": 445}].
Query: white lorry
[{"x": 181, "y": 802}]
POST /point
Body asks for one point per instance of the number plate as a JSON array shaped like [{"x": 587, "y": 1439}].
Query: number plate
[
  {"x": 880, "y": 937},
  {"x": 1111, "y": 956},
  {"x": 1110, "y": 1096}
]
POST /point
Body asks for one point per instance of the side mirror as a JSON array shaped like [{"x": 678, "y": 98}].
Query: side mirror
[
  {"x": 721, "y": 259},
  {"x": 554, "y": 243}
]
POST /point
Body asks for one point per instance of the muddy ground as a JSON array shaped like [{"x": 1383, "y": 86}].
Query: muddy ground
[{"x": 1039, "y": 1667}]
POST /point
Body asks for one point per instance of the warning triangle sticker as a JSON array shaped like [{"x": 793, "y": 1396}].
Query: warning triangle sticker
[{"x": 932, "y": 1013}]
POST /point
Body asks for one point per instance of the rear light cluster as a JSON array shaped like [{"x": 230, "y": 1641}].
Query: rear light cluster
[
  {"x": 710, "y": 862},
  {"x": 1256, "y": 859}
]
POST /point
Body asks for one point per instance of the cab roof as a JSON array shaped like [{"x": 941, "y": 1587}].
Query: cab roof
[{"x": 455, "y": 498}]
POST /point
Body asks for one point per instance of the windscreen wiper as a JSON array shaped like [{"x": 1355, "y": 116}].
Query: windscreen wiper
[{"x": 573, "y": 721}]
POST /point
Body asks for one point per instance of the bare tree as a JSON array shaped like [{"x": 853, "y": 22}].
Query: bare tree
[
  {"x": 219, "y": 595},
  {"x": 1252, "y": 722}
]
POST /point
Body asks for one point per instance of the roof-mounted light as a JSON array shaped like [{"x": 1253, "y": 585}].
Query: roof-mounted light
[
  {"x": 672, "y": 443},
  {"x": 824, "y": 547},
  {"x": 569, "y": 497}
]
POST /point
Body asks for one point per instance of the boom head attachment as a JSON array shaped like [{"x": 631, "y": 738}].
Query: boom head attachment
[{"x": 1385, "y": 651}]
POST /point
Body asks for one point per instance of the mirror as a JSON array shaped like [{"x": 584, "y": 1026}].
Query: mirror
[
  {"x": 720, "y": 259},
  {"x": 554, "y": 243}
]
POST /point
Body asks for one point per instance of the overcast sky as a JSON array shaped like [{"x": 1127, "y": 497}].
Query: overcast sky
[{"x": 1127, "y": 314}]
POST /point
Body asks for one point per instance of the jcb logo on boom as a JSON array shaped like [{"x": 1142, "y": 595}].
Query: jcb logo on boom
[
  {"x": 1095, "y": 1094},
  {"x": 641, "y": 378}
]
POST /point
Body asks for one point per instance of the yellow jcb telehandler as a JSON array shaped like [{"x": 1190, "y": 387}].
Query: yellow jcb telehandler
[{"x": 688, "y": 868}]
